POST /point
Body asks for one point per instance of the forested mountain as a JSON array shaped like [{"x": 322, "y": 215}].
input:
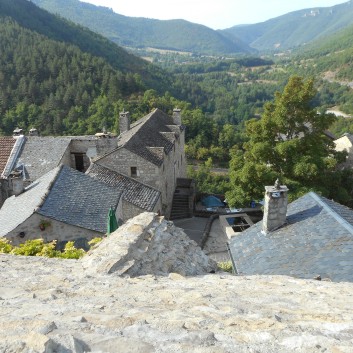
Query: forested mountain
[
  {"x": 62, "y": 78},
  {"x": 136, "y": 32},
  {"x": 296, "y": 28},
  {"x": 35, "y": 19}
]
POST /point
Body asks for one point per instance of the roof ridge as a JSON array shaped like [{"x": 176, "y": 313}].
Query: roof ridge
[{"x": 332, "y": 212}]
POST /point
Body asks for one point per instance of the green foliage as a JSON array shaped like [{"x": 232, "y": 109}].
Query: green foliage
[
  {"x": 287, "y": 142},
  {"x": 48, "y": 250},
  {"x": 70, "y": 252},
  {"x": 5, "y": 247},
  {"x": 225, "y": 266},
  {"x": 208, "y": 181},
  {"x": 95, "y": 241},
  {"x": 37, "y": 247},
  {"x": 29, "y": 248}
]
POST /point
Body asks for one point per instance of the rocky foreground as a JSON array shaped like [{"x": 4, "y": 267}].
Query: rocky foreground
[{"x": 101, "y": 305}]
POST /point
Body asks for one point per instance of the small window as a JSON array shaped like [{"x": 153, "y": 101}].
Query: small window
[
  {"x": 79, "y": 164},
  {"x": 133, "y": 171}
]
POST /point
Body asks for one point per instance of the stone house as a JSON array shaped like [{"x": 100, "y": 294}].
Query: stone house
[
  {"x": 311, "y": 237},
  {"x": 34, "y": 156},
  {"x": 142, "y": 166},
  {"x": 151, "y": 150},
  {"x": 62, "y": 205}
]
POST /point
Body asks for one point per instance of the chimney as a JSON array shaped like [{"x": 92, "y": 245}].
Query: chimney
[
  {"x": 33, "y": 132},
  {"x": 124, "y": 121},
  {"x": 275, "y": 210},
  {"x": 17, "y": 132},
  {"x": 17, "y": 183},
  {"x": 177, "y": 116}
]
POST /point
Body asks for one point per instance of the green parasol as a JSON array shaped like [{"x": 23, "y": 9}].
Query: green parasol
[{"x": 112, "y": 223}]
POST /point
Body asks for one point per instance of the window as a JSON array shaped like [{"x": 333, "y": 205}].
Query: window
[
  {"x": 133, "y": 171},
  {"x": 79, "y": 165}
]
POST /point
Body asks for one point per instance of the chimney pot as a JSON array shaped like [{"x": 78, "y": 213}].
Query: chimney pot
[
  {"x": 18, "y": 132},
  {"x": 33, "y": 132}
]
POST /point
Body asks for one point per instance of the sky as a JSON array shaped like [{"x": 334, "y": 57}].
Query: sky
[{"x": 216, "y": 14}]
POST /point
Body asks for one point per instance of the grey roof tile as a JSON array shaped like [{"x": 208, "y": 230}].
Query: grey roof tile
[
  {"x": 316, "y": 240},
  {"x": 41, "y": 154},
  {"x": 77, "y": 199},
  {"x": 17, "y": 209},
  {"x": 138, "y": 194}
]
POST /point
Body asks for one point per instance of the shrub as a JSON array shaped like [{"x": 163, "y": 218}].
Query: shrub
[
  {"x": 70, "y": 252},
  {"x": 5, "y": 247},
  {"x": 225, "y": 266},
  {"x": 94, "y": 241},
  {"x": 29, "y": 248}
]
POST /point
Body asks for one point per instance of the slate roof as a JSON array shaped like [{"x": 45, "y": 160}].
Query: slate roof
[
  {"x": 138, "y": 194},
  {"x": 155, "y": 130},
  {"x": 316, "y": 240},
  {"x": 77, "y": 199},
  {"x": 41, "y": 154},
  {"x": 65, "y": 195},
  {"x": 6, "y": 145},
  {"x": 17, "y": 209}
]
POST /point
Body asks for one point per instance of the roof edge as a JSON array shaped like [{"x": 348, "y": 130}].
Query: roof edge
[{"x": 334, "y": 214}]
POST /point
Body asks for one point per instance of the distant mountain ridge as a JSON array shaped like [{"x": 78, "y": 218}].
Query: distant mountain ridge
[
  {"x": 296, "y": 28},
  {"x": 136, "y": 32}
]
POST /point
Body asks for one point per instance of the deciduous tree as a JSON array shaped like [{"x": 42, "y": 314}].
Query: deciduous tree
[{"x": 288, "y": 142}]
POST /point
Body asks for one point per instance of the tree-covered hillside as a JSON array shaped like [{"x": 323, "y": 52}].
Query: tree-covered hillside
[
  {"x": 29, "y": 16},
  {"x": 53, "y": 85},
  {"x": 296, "y": 28},
  {"x": 142, "y": 32}
]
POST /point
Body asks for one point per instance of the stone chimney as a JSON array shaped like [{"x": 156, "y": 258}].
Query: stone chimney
[
  {"x": 275, "y": 210},
  {"x": 124, "y": 121},
  {"x": 17, "y": 132},
  {"x": 16, "y": 183},
  {"x": 177, "y": 116},
  {"x": 33, "y": 132}
]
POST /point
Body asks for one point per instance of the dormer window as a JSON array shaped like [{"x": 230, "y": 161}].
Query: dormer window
[{"x": 133, "y": 172}]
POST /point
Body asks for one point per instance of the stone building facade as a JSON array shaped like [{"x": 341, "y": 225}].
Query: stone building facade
[{"x": 151, "y": 151}]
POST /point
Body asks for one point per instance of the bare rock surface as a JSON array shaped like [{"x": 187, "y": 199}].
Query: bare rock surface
[{"x": 61, "y": 306}]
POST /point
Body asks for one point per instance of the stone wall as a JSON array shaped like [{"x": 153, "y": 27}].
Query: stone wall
[
  {"x": 90, "y": 148},
  {"x": 55, "y": 231},
  {"x": 122, "y": 160},
  {"x": 129, "y": 210}
]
